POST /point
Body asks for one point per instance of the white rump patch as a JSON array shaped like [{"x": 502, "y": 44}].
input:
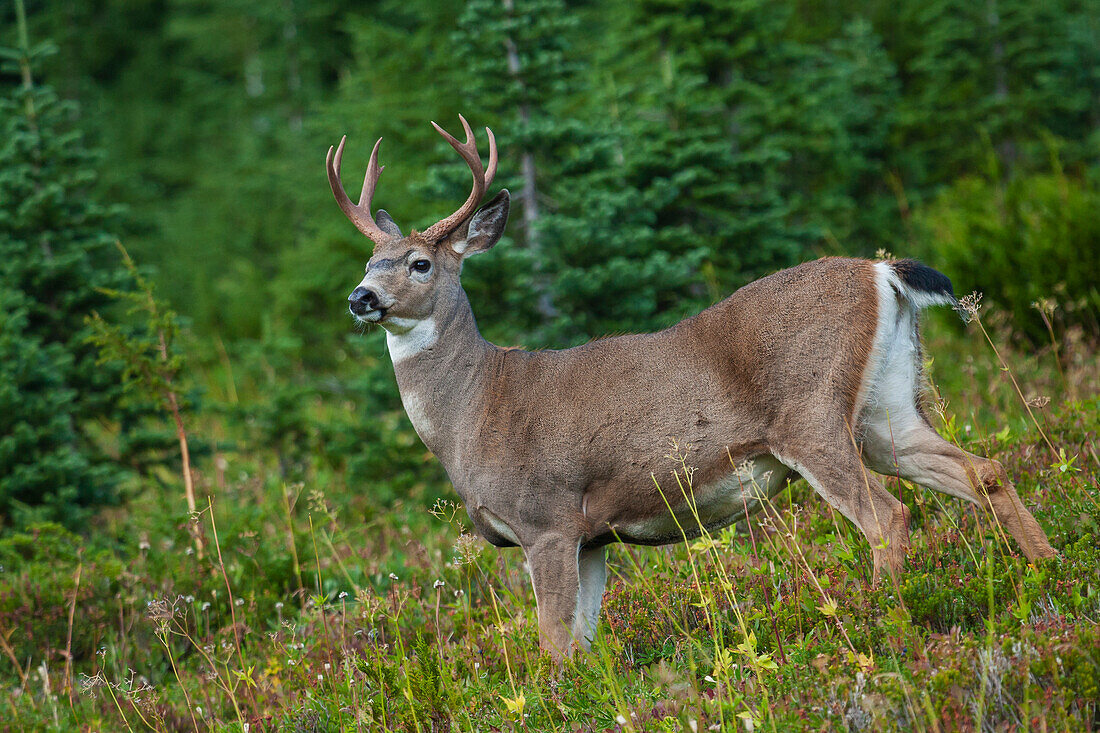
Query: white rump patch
[
  {"x": 892, "y": 367},
  {"x": 886, "y": 407},
  {"x": 406, "y": 337}
]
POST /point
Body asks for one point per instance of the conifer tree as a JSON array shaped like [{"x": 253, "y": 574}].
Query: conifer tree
[
  {"x": 994, "y": 74},
  {"x": 56, "y": 256},
  {"x": 45, "y": 472},
  {"x": 679, "y": 195},
  {"x": 598, "y": 252},
  {"x": 517, "y": 71}
]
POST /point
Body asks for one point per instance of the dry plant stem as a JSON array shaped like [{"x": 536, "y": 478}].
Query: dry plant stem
[
  {"x": 229, "y": 590},
  {"x": 339, "y": 561},
  {"x": 231, "y": 689},
  {"x": 957, "y": 528},
  {"x": 930, "y": 711},
  {"x": 1016, "y": 386},
  {"x": 15, "y": 663},
  {"x": 185, "y": 453},
  {"x": 1071, "y": 391},
  {"x": 691, "y": 557},
  {"x": 69, "y": 636},
  {"x": 894, "y": 457},
  {"x": 687, "y": 491},
  {"x": 320, "y": 593},
  {"x": 118, "y": 706},
  {"x": 230, "y": 382},
  {"x": 300, "y": 592},
  {"x": 640, "y": 575},
  {"x": 611, "y": 683},
  {"x": 1003, "y": 546},
  {"x": 878, "y": 521},
  {"x": 529, "y": 664},
  {"x": 225, "y": 685},
  {"x": 438, "y": 636},
  {"x": 684, "y": 483},
  {"x": 988, "y": 506},
  {"x": 504, "y": 643},
  {"x": 683, "y": 478},
  {"x": 798, "y": 551},
  {"x": 186, "y": 697}
]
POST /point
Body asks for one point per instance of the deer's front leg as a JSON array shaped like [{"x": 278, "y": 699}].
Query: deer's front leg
[{"x": 552, "y": 561}]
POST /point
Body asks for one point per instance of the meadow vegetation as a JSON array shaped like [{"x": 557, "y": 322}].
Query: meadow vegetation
[
  {"x": 214, "y": 513},
  {"x": 309, "y": 606}
]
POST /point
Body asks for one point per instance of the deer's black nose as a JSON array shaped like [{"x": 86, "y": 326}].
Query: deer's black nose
[{"x": 362, "y": 300}]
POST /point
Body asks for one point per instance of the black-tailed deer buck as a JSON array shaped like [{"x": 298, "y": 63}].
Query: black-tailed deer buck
[{"x": 814, "y": 371}]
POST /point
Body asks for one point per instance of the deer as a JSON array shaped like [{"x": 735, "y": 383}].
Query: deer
[{"x": 814, "y": 371}]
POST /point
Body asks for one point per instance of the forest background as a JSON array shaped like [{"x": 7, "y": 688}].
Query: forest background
[{"x": 660, "y": 154}]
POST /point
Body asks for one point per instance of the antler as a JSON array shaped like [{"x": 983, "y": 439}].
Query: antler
[
  {"x": 482, "y": 178},
  {"x": 358, "y": 213}
]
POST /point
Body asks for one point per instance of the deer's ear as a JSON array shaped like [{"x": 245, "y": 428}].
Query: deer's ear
[
  {"x": 386, "y": 223},
  {"x": 484, "y": 228}
]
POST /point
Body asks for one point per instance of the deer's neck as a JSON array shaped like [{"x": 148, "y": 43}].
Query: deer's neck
[{"x": 441, "y": 365}]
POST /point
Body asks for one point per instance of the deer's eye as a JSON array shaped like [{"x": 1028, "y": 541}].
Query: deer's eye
[{"x": 421, "y": 266}]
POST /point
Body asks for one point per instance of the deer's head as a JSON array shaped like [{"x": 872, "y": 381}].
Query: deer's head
[{"x": 408, "y": 277}]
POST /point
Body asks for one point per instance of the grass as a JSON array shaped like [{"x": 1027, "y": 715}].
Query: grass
[{"x": 314, "y": 609}]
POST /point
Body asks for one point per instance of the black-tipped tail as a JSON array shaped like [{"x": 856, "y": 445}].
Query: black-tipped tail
[{"x": 923, "y": 278}]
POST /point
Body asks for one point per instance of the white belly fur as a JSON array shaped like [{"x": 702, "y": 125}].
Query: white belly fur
[{"x": 718, "y": 505}]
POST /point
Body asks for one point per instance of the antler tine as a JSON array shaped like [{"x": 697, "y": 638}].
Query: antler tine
[
  {"x": 370, "y": 180},
  {"x": 358, "y": 213},
  {"x": 482, "y": 177},
  {"x": 491, "y": 171}
]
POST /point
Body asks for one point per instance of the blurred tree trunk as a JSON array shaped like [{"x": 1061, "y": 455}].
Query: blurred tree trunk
[{"x": 530, "y": 194}]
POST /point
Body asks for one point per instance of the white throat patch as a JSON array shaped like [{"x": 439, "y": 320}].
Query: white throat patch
[
  {"x": 418, "y": 416},
  {"x": 406, "y": 337}
]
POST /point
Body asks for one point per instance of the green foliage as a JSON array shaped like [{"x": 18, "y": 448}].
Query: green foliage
[
  {"x": 42, "y": 563},
  {"x": 1005, "y": 71},
  {"x": 55, "y": 260},
  {"x": 44, "y": 473},
  {"x": 143, "y": 350},
  {"x": 427, "y": 693},
  {"x": 1023, "y": 242}
]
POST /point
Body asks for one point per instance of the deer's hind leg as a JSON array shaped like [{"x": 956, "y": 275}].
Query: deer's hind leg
[
  {"x": 592, "y": 571},
  {"x": 832, "y": 466},
  {"x": 903, "y": 443}
]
